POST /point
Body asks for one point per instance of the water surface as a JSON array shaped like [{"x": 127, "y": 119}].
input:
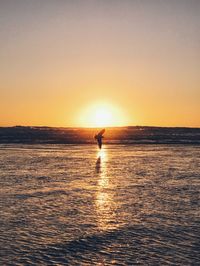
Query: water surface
[{"x": 128, "y": 205}]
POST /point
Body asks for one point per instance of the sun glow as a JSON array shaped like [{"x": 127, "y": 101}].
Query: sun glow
[{"x": 102, "y": 115}]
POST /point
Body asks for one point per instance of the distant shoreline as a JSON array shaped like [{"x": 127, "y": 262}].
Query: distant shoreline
[
  {"x": 114, "y": 135},
  {"x": 111, "y": 127}
]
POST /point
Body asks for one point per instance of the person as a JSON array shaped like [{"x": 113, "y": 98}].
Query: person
[{"x": 99, "y": 137}]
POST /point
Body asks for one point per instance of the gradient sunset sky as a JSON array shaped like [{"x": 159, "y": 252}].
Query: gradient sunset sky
[{"x": 61, "y": 59}]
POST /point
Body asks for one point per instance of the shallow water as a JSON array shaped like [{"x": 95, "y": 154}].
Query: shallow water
[{"x": 128, "y": 205}]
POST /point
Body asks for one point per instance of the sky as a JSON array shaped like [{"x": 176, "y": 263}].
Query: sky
[{"x": 72, "y": 62}]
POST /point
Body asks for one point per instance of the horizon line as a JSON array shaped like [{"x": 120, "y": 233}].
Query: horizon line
[{"x": 108, "y": 127}]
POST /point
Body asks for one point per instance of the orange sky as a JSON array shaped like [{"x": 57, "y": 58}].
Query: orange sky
[{"x": 60, "y": 59}]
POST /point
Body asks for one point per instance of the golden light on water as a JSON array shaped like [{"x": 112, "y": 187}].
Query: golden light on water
[
  {"x": 102, "y": 115},
  {"x": 105, "y": 205}
]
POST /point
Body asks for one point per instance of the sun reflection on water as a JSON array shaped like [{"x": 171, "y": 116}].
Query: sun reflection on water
[{"x": 104, "y": 196}]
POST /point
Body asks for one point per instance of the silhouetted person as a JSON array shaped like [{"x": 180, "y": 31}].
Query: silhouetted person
[{"x": 99, "y": 137}]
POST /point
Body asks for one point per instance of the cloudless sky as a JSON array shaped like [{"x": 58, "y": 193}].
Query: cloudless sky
[{"x": 57, "y": 57}]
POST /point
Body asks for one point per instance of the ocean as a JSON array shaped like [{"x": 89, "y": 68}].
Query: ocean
[{"x": 73, "y": 205}]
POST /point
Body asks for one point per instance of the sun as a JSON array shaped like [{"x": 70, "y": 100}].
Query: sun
[{"x": 101, "y": 115}]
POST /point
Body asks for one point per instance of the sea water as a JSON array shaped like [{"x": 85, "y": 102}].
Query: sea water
[{"x": 125, "y": 205}]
